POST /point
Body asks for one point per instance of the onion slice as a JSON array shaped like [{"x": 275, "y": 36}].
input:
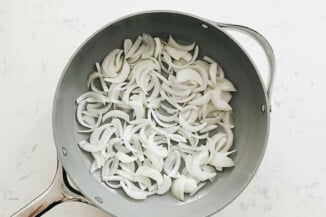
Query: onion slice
[
  {"x": 116, "y": 113},
  {"x": 178, "y": 46},
  {"x": 150, "y": 173},
  {"x": 132, "y": 191},
  {"x": 190, "y": 128},
  {"x": 189, "y": 74},
  {"x": 178, "y": 187}
]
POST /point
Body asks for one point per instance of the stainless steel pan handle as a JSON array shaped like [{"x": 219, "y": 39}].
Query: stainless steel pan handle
[
  {"x": 262, "y": 41},
  {"x": 58, "y": 192}
]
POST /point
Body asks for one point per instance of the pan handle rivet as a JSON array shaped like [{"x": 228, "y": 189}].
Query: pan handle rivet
[
  {"x": 64, "y": 151},
  {"x": 262, "y": 107},
  {"x": 204, "y": 26},
  {"x": 98, "y": 199}
]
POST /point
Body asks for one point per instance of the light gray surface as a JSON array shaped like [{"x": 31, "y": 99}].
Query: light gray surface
[
  {"x": 290, "y": 181},
  {"x": 251, "y": 123}
]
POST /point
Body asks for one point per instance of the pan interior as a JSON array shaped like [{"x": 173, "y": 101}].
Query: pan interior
[{"x": 251, "y": 123}]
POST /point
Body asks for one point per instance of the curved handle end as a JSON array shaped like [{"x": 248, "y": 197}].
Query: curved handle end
[{"x": 268, "y": 50}]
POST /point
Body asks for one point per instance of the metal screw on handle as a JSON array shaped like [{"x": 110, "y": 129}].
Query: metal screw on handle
[{"x": 262, "y": 41}]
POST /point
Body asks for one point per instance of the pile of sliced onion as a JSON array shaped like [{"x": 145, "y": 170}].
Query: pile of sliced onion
[{"x": 158, "y": 118}]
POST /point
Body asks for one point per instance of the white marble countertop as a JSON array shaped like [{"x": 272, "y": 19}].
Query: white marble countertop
[{"x": 38, "y": 37}]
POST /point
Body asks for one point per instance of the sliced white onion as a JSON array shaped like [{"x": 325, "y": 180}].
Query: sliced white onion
[
  {"x": 192, "y": 149},
  {"x": 155, "y": 149},
  {"x": 190, "y": 185},
  {"x": 104, "y": 86},
  {"x": 189, "y": 113},
  {"x": 96, "y": 147},
  {"x": 213, "y": 72},
  {"x": 125, "y": 174},
  {"x": 89, "y": 118},
  {"x": 116, "y": 113},
  {"x": 136, "y": 56},
  {"x": 128, "y": 167},
  {"x": 150, "y": 173},
  {"x": 165, "y": 186},
  {"x": 170, "y": 101},
  {"x": 188, "y": 74},
  {"x": 113, "y": 179},
  {"x": 132, "y": 191},
  {"x": 111, "y": 63},
  {"x": 176, "y": 137},
  {"x": 158, "y": 47},
  {"x": 178, "y": 187},
  {"x": 151, "y": 113},
  {"x": 109, "y": 168},
  {"x": 200, "y": 186},
  {"x": 149, "y": 44},
  {"x": 134, "y": 47},
  {"x": 194, "y": 167},
  {"x": 182, "y": 93},
  {"x": 166, "y": 118},
  {"x": 190, "y": 127},
  {"x": 155, "y": 161},
  {"x": 97, "y": 111},
  {"x": 168, "y": 109},
  {"x": 94, "y": 126},
  {"x": 208, "y": 59},
  {"x": 209, "y": 169},
  {"x": 204, "y": 99},
  {"x": 114, "y": 91},
  {"x": 203, "y": 74},
  {"x": 218, "y": 102},
  {"x": 184, "y": 100},
  {"x": 221, "y": 160},
  {"x": 208, "y": 128},
  {"x": 127, "y": 43},
  {"x": 172, "y": 164},
  {"x": 122, "y": 76},
  {"x": 91, "y": 97},
  {"x": 188, "y": 137},
  {"x": 178, "y": 46},
  {"x": 139, "y": 150},
  {"x": 144, "y": 182},
  {"x": 215, "y": 143},
  {"x": 138, "y": 108},
  {"x": 229, "y": 135},
  {"x": 178, "y": 54},
  {"x": 154, "y": 110},
  {"x": 125, "y": 158},
  {"x": 225, "y": 84}
]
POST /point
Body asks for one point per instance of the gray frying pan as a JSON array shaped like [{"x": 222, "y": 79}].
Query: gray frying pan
[{"x": 251, "y": 105}]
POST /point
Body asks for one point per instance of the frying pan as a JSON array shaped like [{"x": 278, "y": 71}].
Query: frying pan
[{"x": 251, "y": 105}]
